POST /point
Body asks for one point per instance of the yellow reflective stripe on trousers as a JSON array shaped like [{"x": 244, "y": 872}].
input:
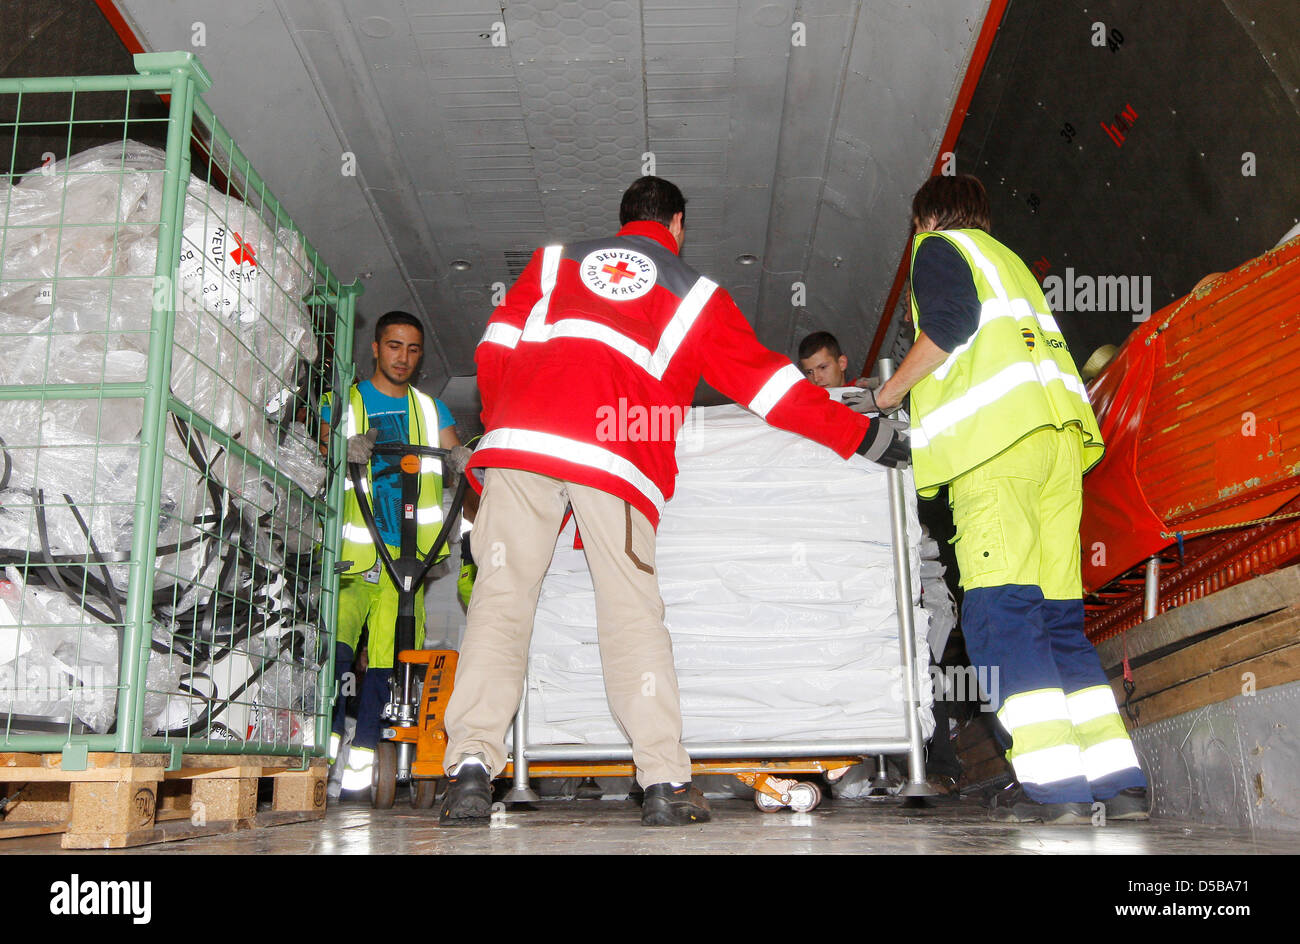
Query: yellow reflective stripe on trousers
[
  {"x": 777, "y": 386},
  {"x": 579, "y": 453}
]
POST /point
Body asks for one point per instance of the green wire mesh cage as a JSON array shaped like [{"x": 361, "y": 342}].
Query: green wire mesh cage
[{"x": 168, "y": 532}]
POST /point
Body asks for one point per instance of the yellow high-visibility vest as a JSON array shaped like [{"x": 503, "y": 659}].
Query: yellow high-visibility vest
[
  {"x": 422, "y": 430},
  {"x": 1012, "y": 377}
]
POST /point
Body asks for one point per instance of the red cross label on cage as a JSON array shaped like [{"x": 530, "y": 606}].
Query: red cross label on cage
[
  {"x": 218, "y": 268},
  {"x": 619, "y": 274}
]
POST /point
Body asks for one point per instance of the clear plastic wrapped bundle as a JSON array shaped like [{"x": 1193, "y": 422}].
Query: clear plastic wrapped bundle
[
  {"x": 78, "y": 288},
  {"x": 64, "y": 661}
]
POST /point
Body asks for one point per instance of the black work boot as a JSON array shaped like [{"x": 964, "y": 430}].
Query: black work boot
[
  {"x": 468, "y": 801},
  {"x": 1013, "y": 806},
  {"x": 1130, "y": 804},
  {"x": 666, "y": 805}
]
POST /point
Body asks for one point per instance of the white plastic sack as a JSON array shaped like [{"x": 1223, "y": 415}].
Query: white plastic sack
[{"x": 776, "y": 572}]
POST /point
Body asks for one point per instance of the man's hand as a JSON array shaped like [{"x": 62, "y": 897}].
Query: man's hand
[
  {"x": 360, "y": 447},
  {"x": 866, "y": 401},
  {"x": 886, "y": 443},
  {"x": 457, "y": 459}
]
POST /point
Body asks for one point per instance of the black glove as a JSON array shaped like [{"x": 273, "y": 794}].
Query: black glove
[
  {"x": 886, "y": 443},
  {"x": 360, "y": 447},
  {"x": 863, "y": 400}
]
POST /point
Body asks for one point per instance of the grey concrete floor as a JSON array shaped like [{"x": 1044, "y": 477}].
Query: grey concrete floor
[{"x": 605, "y": 826}]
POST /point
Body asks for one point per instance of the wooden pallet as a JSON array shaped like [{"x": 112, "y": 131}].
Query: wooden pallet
[
  {"x": 122, "y": 800},
  {"x": 1243, "y": 659}
]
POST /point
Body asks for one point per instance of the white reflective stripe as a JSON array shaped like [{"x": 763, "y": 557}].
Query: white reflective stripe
[
  {"x": 1001, "y": 307},
  {"x": 503, "y": 334},
  {"x": 429, "y": 414},
  {"x": 357, "y": 770},
  {"x": 1049, "y": 765},
  {"x": 776, "y": 387},
  {"x": 365, "y": 485},
  {"x": 550, "y": 272},
  {"x": 982, "y": 261},
  {"x": 335, "y": 741},
  {"x": 573, "y": 450},
  {"x": 676, "y": 330},
  {"x": 656, "y": 364},
  {"x": 990, "y": 391},
  {"x": 1109, "y": 757},
  {"x": 1092, "y": 703},
  {"x": 541, "y": 332},
  {"x": 991, "y": 310},
  {"x": 428, "y": 515},
  {"x": 357, "y": 534},
  {"x": 430, "y": 464},
  {"x": 1033, "y": 707},
  {"x": 350, "y": 424}
]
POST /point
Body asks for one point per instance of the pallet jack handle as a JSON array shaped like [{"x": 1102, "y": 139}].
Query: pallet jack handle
[{"x": 407, "y": 570}]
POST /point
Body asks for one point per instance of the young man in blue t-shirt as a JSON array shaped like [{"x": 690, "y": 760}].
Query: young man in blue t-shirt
[{"x": 370, "y": 599}]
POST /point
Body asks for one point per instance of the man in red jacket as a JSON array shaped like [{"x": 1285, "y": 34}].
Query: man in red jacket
[{"x": 586, "y": 371}]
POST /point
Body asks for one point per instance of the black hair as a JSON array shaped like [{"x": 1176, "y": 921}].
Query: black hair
[
  {"x": 959, "y": 202},
  {"x": 818, "y": 340},
  {"x": 397, "y": 318},
  {"x": 651, "y": 198}
]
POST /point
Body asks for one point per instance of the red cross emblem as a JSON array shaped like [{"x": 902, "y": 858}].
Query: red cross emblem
[
  {"x": 243, "y": 252},
  {"x": 618, "y": 273}
]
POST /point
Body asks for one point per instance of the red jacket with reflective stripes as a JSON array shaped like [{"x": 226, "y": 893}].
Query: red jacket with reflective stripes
[{"x": 588, "y": 367}]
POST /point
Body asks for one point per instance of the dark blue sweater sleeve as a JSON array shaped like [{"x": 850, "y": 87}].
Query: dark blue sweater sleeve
[{"x": 945, "y": 294}]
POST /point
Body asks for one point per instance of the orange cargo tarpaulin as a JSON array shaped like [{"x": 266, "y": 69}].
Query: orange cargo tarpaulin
[{"x": 1200, "y": 412}]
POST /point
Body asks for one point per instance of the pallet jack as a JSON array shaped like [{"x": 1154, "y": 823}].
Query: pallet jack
[
  {"x": 413, "y": 746},
  {"x": 397, "y": 749}
]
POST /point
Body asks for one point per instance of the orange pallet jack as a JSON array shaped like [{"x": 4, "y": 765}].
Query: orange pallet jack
[{"x": 774, "y": 781}]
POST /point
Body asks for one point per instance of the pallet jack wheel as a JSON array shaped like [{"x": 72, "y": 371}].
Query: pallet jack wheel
[
  {"x": 424, "y": 793},
  {"x": 383, "y": 776},
  {"x": 805, "y": 796},
  {"x": 767, "y": 803}
]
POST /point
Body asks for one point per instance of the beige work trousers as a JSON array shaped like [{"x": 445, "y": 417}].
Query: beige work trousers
[{"x": 514, "y": 538}]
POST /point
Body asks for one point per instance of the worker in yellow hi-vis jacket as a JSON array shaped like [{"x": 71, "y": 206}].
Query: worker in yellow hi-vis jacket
[
  {"x": 385, "y": 409},
  {"x": 1000, "y": 416}
]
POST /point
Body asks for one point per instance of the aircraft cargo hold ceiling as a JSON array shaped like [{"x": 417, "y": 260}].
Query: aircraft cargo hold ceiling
[{"x": 411, "y": 138}]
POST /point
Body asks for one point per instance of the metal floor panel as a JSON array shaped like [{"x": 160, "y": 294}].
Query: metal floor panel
[{"x": 1234, "y": 763}]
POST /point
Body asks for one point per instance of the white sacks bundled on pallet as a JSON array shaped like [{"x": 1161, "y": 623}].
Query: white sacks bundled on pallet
[
  {"x": 776, "y": 569},
  {"x": 77, "y": 290}
]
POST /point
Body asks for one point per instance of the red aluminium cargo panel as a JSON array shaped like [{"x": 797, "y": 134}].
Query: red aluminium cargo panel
[{"x": 1200, "y": 412}]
